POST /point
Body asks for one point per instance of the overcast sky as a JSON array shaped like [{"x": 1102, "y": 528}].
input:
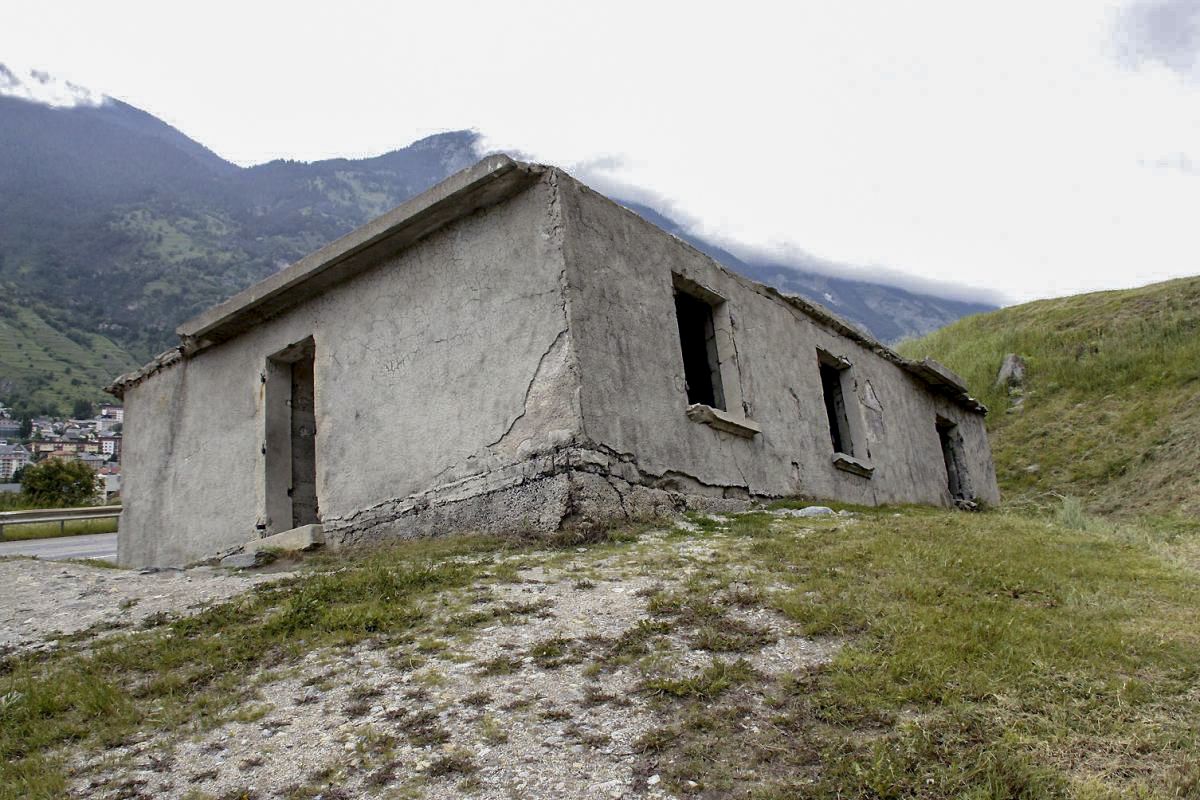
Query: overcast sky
[{"x": 1029, "y": 148}]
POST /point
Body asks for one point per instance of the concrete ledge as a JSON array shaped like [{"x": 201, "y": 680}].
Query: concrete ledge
[
  {"x": 723, "y": 420},
  {"x": 852, "y": 465},
  {"x": 305, "y": 537}
]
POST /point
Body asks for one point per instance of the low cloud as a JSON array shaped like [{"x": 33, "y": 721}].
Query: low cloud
[
  {"x": 603, "y": 175},
  {"x": 41, "y": 87},
  {"x": 1165, "y": 32},
  {"x": 1173, "y": 163}
]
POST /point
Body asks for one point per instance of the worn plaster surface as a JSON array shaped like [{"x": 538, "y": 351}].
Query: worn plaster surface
[
  {"x": 621, "y": 274},
  {"x": 442, "y": 366}
]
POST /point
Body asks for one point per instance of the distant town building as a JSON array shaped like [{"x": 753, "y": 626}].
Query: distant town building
[
  {"x": 93, "y": 460},
  {"x": 112, "y": 412},
  {"x": 110, "y": 478},
  {"x": 12, "y": 458}
]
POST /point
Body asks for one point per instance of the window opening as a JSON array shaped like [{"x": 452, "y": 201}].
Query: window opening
[
  {"x": 697, "y": 338},
  {"x": 835, "y": 406}
]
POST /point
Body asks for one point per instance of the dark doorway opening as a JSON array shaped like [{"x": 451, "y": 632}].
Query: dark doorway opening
[
  {"x": 290, "y": 446},
  {"x": 304, "y": 444},
  {"x": 958, "y": 481},
  {"x": 697, "y": 338},
  {"x": 835, "y": 408}
]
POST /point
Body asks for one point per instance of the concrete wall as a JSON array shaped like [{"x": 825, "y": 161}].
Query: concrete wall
[
  {"x": 446, "y": 366},
  {"x": 620, "y": 275}
]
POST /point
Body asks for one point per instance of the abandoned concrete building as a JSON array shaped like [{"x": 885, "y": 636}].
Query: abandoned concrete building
[{"x": 512, "y": 350}]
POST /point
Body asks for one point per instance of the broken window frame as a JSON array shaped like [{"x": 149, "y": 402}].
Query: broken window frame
[
  {"x": 847, "y": 435},
  {"x": 728, "y": 410}
]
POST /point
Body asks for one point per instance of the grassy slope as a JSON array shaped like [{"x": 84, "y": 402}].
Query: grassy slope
[
  {"x": 1111, "y": 402},
  {"x": 46, "y": 366}
]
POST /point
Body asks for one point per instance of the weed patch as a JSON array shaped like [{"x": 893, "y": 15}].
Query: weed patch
[
  {"x": 192, "y": 669},
  {"x": 986, "y": 656}
]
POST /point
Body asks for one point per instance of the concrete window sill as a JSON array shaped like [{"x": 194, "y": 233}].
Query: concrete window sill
[
  {"x": 722, "y": 420},
  {"x": 852, "y": 465}
]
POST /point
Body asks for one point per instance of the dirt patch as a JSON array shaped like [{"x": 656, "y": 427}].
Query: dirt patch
[{"x": 43, "y": 599}]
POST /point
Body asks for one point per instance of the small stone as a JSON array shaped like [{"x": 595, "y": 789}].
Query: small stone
[
  {"x": 807, "y": 511},
  {"x": 240, "y": 561},
  {"x": 653, "y": 780},
  {"x": 1012, "y": 371}
]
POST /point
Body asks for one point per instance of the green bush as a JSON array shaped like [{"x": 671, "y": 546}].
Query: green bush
[{"x": 57, "y": 483}]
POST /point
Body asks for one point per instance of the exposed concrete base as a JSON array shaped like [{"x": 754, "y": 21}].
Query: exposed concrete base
[
  {"x": 574, "y": 488},
  {"x": 305, "y": 537}
]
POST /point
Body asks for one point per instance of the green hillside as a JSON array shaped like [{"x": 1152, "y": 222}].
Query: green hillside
[
  {"x": 48, "y": 368},
  {"x": 1111, "y": 404}
]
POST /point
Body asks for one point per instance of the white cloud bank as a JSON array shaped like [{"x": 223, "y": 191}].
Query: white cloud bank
[
  {"x": 24, "y": 83},
  {"x": 1028, "y": 148}
]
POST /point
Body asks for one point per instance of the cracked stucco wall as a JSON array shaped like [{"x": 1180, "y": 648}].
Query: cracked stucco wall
[
  {"x": 520, "y": 368},
  {"x": 633, "y": 402},
  {"x": 447, "y": 366}
]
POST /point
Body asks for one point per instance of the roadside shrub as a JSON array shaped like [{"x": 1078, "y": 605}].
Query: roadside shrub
[{"x": 56, "y": 483}]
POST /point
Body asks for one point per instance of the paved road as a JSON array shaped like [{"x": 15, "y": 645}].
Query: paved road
[{"x": 92, "y": 545}]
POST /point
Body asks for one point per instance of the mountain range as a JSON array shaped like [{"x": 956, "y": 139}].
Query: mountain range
[{"x": 115, "y": 227}]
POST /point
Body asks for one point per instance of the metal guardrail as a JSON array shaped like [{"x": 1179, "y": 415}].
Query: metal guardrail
[{"x": 60, "y": 515}]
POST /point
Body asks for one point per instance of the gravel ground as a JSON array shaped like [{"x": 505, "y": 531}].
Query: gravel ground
[
  {"x": 42, "y": 599},
  {"x": 368, "y": 722}
]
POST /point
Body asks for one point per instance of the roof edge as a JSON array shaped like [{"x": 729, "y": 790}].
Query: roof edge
[
  {"x": 929, "y": 372},
  {"x": 161, "y": 361},
  {"x": 486, "y": 183},
  {"x": 936, "y": 376}
]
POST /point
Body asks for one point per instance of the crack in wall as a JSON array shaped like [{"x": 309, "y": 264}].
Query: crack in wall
[
  {"x": 740, "y": 373},
  {"x": 538, "y": 376},
  {"x": 567, "y": 460}
]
